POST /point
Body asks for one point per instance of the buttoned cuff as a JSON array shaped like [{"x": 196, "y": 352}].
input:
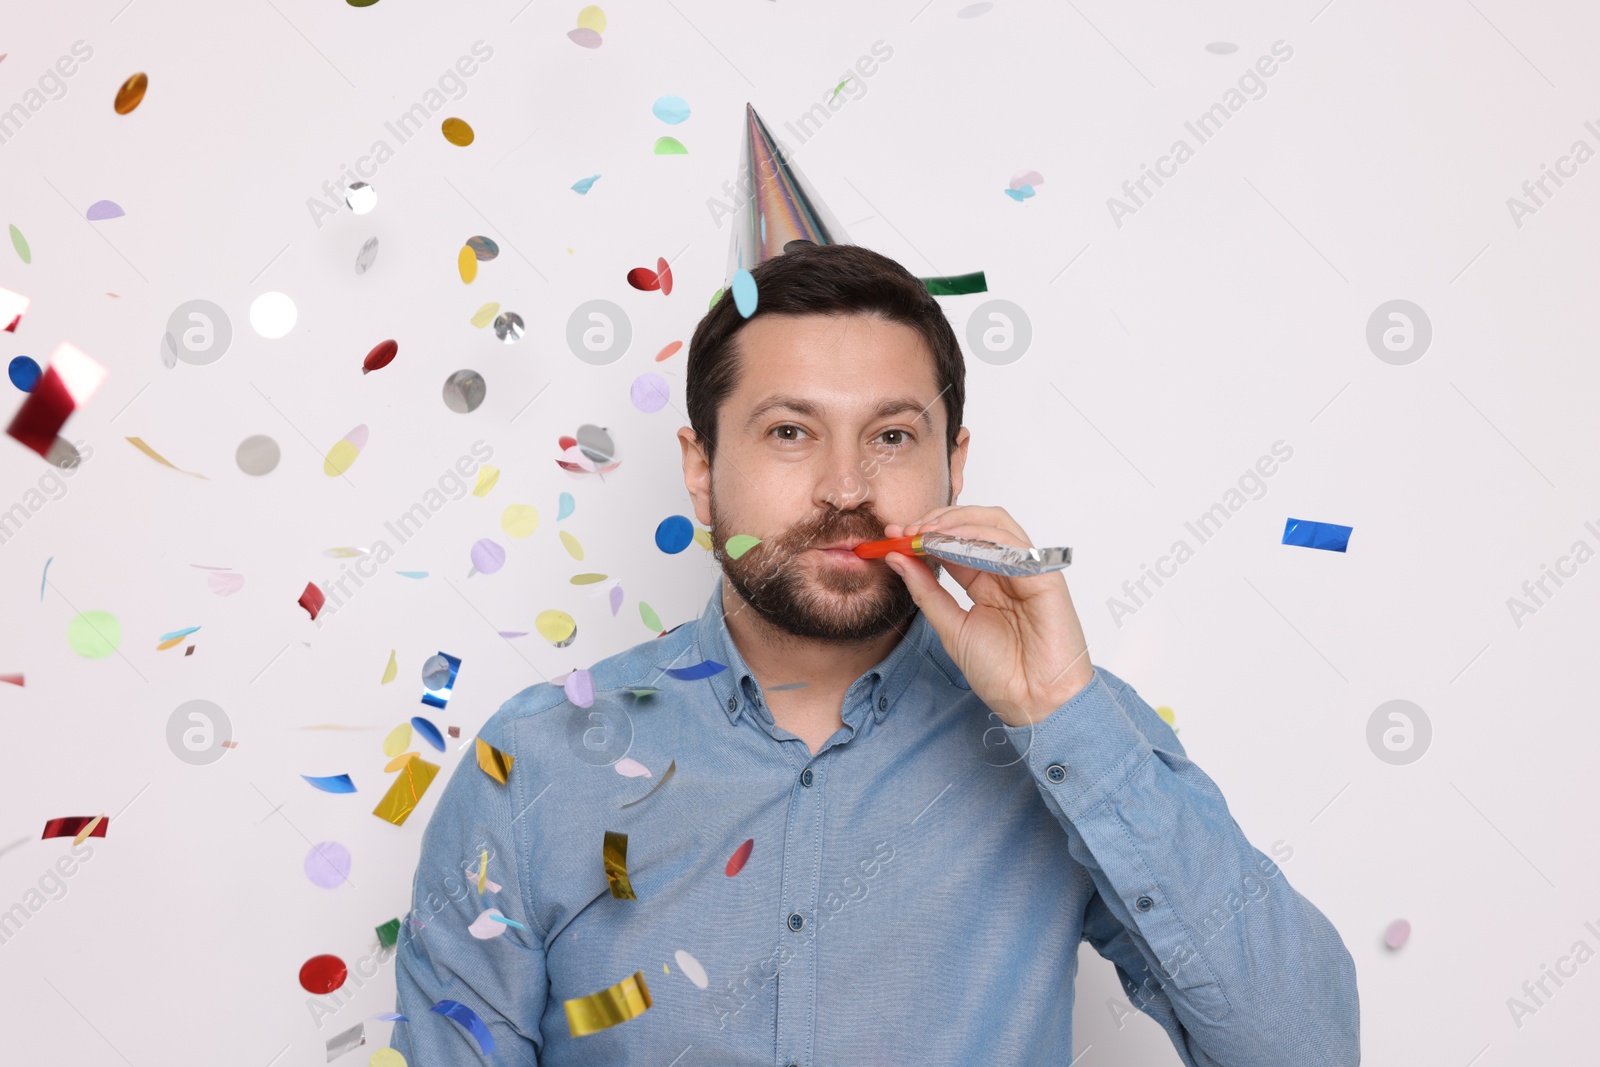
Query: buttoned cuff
[{"x": 1083, "y": 750}]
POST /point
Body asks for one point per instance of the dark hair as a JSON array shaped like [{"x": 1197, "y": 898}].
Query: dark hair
[{"x": 823, "y": 280}]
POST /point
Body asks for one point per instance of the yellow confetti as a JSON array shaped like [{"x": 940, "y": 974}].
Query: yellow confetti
[
  {"x": 592, "y": 18},
  {"x": 483, "y": 872},
  {"x": 703, "y": 539},
  {"x": 159, "y": 458},
  {"x": 625, "y": 1000},
  {"x": 574, "y": 549},
  {"x": 614, "y": 852},
  {"x": 557, "y": 627},
  {"x": 398, "y": 740},
  {"x": 467, "y": 264},
  {"x": 1166, "y": 714},
  {"x": 163, "y": 646},
  {"x": 457, "y": 132},
  {"x": 520, "y": 520},
  {"x": 484, "y": 315},
  {"x": 493, "y": 762},
  {"x": 399, "y": 761},
  {"x": 131, "y": 93},
  {"x": 340, "y": 458},
  {"x": 487, "y": 477},
  {"x": 390, "y": 671},
  {"x": 402, "y": 798},
  {"x": 588, "y": 579}
]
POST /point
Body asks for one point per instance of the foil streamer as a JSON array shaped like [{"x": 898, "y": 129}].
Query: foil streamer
[
  {"x": 972, "y": 552},
  {"x": 626, "y": 1000},
  {"x": 615, "y": 853},
  {"x": 464, "y": 1016},
  {"x": 696, "y": 671},
  {"x": 67, "y": 385},
  {"x": 1328, "y": 536},
  {"x": 493, "y": 762},
  {"x": 69, "y": 825},
  {"x": 672, "y": 768},
  {"x": 437, "y": 696},
  {"x": 401, "y": 799},
  {"x": 956, "y": 284},
  {"x": 339, "y": 1044},
  {"x": 333, "y": 783}
]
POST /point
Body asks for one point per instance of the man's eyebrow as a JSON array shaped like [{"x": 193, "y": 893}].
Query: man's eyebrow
[{"x": 892, "y": 406}]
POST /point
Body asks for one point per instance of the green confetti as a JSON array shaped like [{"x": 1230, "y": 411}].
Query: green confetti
[
  {"x": 836, "y": 88},
  {"x": 714, "y": 298},
  {"x": 20, "y": 243},
  {"x": 94, "y": 634},
  {"x": 670, "y": 146},
  {"x": 956, "y": 285},
  {"x": 739, "y": 544},
  {"x": 389, "y": 933},
  {"x": 651, "y": 619}
]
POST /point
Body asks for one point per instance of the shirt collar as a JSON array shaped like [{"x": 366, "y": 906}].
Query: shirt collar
[{"x": 737, "y": 690}]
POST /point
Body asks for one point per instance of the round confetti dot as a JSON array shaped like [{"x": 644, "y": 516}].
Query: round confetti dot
[
  {"x": 674, "y": 534},
  {"x": 322, "y": 974},
  {"x": 456, "y": 131},
  {"x": 671, "y": 109},
  {"x": 399, "y": 738},
  {"x": 104, "y": 209},
  {"x": 739, "y": 544},
  {"x": 272, "y": 315},
  {"x": 430, "y": 733},
  {"x": 328, "y": 864},
  {"x": 592, "y": 18},
  {"x": 596, "y": 443},
  {"x": 1398, "y": 933},
  {"x": 670, "y": 146},
  {"x": 508, "y": 327},
  {"x": 648, "y": 616},
  {"x": 381, "y": 356},
  {"x": 557, "y": 627},
  {"x": 385, "y": 1057},
  {"x": 669, "y": 351},
  {"x": 464, "y": 391},
  {"x": 361, "y": 197},
  {"x": 487, "y": 556},
  {"x": 94, "y": 634},
  {"x": 519, "y": 520},
  {"x": 567, "y": 504},
  {"x": 257, "y": 454},
  {"x": 467, "y": 264},
  {"x": 649, "y": 392},
  {"x": 744, "y": 292},
  {"x": 483, "y": 247},
  {"x": 24, "y": 372},
  {"x": 436, "y": 672}
]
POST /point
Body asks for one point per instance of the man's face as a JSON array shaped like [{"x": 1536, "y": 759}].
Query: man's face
[{"x": 836, "y": 427}]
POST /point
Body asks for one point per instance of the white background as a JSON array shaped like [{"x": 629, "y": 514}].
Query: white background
[{"x": 1227, "y": 314}]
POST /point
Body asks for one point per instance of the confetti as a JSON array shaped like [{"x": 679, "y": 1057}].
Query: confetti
[
  {"x": 257, "y": 455},
  {"x": 493, "y": 762},
  {"x": 644, "y": 279},
  {"x": 484, "y": 927},
  {"x": 669, "y": 351},
  {"x": 72, "y": 825},
  {"x": 272, "y": 315},
  {"x": 674, "y": 534},
  {"x": 650, "y": 618},
  {"x": 616, "y": 600},
  {"x": 464, "y": 391},
  {"x": 360, "y": 197},
  {"x": 429, "y": 732},
  {"x": 452, "y": 731},
  {"x": 508, "y": 327},
  {"x": 557, "y": 627},
  {"x": 389, "y": 933},
  {"x": 957, "y": 284},
  {"x": 670, "y": 146},
  {"x": 672, "y": 768},
  {"x": 589, "y": 579},
  {"x": 390, "y": 670},
  {"x": 312, "y": 599},
  {"x": 739, "y": 544},
  {"x": 12, "y": 679},
  {"x": 328, "y": 864},
  {"x": 380, "y": 357},
  {"x": 583, "y": 185},
  {"x": 671, "y": 109},
  {"x": 626, "y": 1000},
  {"x": 94, "y": 634},
  {"x": 508, "y": 922},
  {"x": 567, "y": 504},
  {"x": 342, "y": 456},
  {"x": 1330, "y": 537},
  {"x": 614, "y": 853},
  {"x": 439, "y": 679},
  {"x": 322, "y": 974},
  {"x": 406, "y": 792},
  {"x": 20, "y": 243},
  {"x": 66, "y": 385},
  {"x": 399, "y": 761},
  {"x": 487, "y": 556},
  {"x": 12, "y": 306},
  {"x": 334, "y": 783},
  {"x": 740, "y": 857},
  {"x": 493, "y": 886},
  {"x": 24, "y": 373},
  {"x": 1397, "y": 934},
  {"x": 467, "y": 265},
  {"x": 339, "y": 1044},
  {"x": 159, "y": 458},
  {"x": 519, "y": 520},
  {"x": 691, "y": 968},
  {"x": 1027, "y": 177},
  {"x": 484, "y": 248},
  {"x": 384, "y": 1057},
  {"x": 485, "y": 315},
  {"x": 457, "y": 132},
  {"x": 629, "y": 767},
  {"x": 88, "y": 831},
  {"x": 367, "y": 256},
  {"x": 466, "y": 1017},
  {"x": 571, "y": 544},
  {"x": 696, "y": 671},
  {"x": 649, "y": 392},
  {"x": 104, "y": 209},
  {"x": 579, "y": 687},
  {"x": 744, "y": 292}
]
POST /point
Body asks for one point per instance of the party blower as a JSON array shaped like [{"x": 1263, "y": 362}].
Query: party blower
[{"x": 971, "y": 552}]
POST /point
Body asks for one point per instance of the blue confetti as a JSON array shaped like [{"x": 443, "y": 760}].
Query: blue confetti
[
  {"x": 24, "y": 373},
  {"x": 429, "y": 731},
  {"x": 1329, "y": 536},
  {"x": 333, "y": 783},
  {"x": 412, "y": 574},
  {"x": 583, "y": 185},
  {"x": 674, "y": 534},
  {"x": 43, "y": 576},
  {"x": 465, "y": 1016},
  {"x": 696, "y": 671},
  {"x": 671, "y": 109},
  {"x": 508, "y": 922},
  {"x": 567, "y": 504},
  {"x": 744, "y": 292},
  {"x": 1019, "y": 195},
  {"x": 178, "y": 633},
  {"x": 435, "y": 695}
]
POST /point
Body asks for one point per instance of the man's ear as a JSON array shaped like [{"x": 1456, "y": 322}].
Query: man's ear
[
  {"x": 696, "y": 474},
  {"x": 958, "y": 462}
]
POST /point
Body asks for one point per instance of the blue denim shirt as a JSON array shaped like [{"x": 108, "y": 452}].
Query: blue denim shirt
[{"x": 916, "y": 891}]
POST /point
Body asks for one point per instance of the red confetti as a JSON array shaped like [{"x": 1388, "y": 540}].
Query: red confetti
[
  {"x": 741, "y": 856},
  {"x": 565, "y": 443},
  {"x": 664, "y": 273},
  {"x": 380, "y": 357},
  {"x": 69, "y": 825},
  {"x": 668, "y": 352},
  {"x": 644, "y": 278},
  {"x": 453, "y": 731},
  {"x": 322, "y": 974},
  {"x": 14, "y": 679},
  {"x": 67, "y": 385},
  {"x": 312, "y": 599}
]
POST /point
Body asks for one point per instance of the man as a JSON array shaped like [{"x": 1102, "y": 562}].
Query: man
[{"x": 890, "y": 821}]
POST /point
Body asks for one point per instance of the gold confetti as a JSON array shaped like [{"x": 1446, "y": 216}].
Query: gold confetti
[
  {"x": 401, "y": 799},
  {"x": 159, "y": 458},
  {"x": 467, "y": 264},
  {"x": 483, "y": 872},
  {"x": 626, "y": 1000},
  {"x": 493, "y": 762},
  {"x": 588, "y": 579},
  {"x": 458, "y": 133},
  {"x": 615, "y": 853},
  {"x": 131, "y": 93}
]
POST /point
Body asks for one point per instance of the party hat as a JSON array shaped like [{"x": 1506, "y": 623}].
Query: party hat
[{"x": 776, "y": 207}]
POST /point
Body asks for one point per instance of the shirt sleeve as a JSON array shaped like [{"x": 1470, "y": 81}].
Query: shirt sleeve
[
  {"x": 1208, "y": 937},
  {"x": 502, "y": 979}
]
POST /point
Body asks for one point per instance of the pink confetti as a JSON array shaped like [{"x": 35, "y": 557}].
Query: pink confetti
[
  {"x": 1027, "y": 177},
  {"x": 580, "y": 688},
  {"x": 1398, "y": 933},
  {"x": 225, "y": 583},
  {"x": 629, "y": 767},
  {"x": 584, "y": 37}
]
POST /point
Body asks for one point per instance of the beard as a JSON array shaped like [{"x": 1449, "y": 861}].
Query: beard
[{"x": 820, "y": 602}]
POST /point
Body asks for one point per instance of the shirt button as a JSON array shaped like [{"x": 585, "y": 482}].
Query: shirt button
[
  {"x": 883, "y": 703},
  {"x": 1056, "y": 773},
  {"x": 1144, "y": 903},
  {"x": 733, "y": 702},
  {"x": 796, "y": 920},
  {"x": 805, "y": 777}
]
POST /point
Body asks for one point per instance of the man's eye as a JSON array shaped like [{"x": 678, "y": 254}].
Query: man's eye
[
  {"x": 904, "y": 437},
  {"x": 787, "y": 426}
]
